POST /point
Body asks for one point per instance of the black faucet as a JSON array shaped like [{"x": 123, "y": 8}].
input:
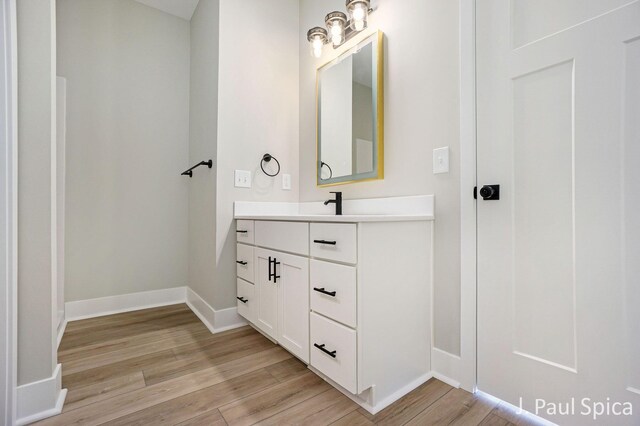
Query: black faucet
[{"x": 337, "y": 202}]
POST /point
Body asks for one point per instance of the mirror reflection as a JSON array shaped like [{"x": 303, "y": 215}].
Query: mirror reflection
[{"x": 348, "y": 117}]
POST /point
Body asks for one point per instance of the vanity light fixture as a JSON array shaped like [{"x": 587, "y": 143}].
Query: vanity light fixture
[
  {"x": 358, "y": 14},
  {"x": 317, "y": 37},
  {"x": 336, "y": 23},
  {"x": 340, "y": 28}
]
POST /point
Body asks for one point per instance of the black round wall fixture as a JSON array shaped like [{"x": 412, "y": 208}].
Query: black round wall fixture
[
  {"x": 323, "y": 164},
  {"x": 267, "y": 158}
]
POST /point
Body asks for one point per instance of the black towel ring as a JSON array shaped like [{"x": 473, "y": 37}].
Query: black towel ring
[
  {"x": 322, "y": 164},
  {"x": 265, "y": 159}
]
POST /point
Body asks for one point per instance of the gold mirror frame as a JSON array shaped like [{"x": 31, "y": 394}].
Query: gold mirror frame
[{"x": 379, "y": 125}]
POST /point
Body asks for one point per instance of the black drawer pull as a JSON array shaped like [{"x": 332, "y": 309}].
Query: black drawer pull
[
  {"x": 331, "y": 243},
  {"x": 242, "y": 232},
  {"x": 323, "y": 291},
  {"x": 332, "y": 354},
  {"x": 241, "y": 262},
  {"x": 242, "y": 299}
]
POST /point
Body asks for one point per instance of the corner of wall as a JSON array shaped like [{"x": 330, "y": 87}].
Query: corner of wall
[{"x": 41, "y": 399}]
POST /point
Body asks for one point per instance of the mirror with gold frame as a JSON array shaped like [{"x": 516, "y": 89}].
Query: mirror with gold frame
[{"x": 350, "y": 115}]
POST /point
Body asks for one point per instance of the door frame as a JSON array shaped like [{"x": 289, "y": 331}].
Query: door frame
[
  {"x": 466, "y": 372},
  {"x": 8, "y": 209}
]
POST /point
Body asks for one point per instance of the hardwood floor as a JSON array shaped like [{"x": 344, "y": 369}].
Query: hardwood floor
[{"x": 163, "y": 367}]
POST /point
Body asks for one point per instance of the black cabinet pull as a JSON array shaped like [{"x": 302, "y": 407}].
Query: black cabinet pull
[
  {"x": 242, "y": 232},
  {"x": 275, "y": 264},
  {"x": 274, "y": 273},
  {"x": 241, "y": 262},
  {"x": 242, "y": 299},
  {"x": 332, "y": 354},
  {"x": 323, "y": 291},
  {"x": 331, "y": 243}
]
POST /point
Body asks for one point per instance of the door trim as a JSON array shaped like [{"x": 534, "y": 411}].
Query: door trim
[
  {"x": 468, "y": 224},
  {"x": 8, "y": 209},
  {"x": 459, "y": 370}
]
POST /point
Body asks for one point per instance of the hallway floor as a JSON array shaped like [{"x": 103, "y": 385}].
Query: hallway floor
[{"x": 163, "y": 366}]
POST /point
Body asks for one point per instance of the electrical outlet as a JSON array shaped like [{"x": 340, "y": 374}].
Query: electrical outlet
[
  {"x": 441, "y": 160},
  {"x": 286, "y": 182},
  {"x": 242, "y": 179}
]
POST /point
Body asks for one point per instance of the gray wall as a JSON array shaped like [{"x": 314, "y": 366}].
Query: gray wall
[
  {"x": 257, "y": 113},
  {"x": 203, "y": 135},
  {"x": 421, "y": 113},
  {"x": 127, "y": 70},
  {"x": 36, "y": 190}
]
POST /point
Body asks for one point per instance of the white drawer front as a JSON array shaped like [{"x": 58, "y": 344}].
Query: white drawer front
[
  {"x": 333, "y": 291},
  {"x": 244, "y": 262},
  {"x": 340, "y": 366},
  {"x": 244, "y": 231},
  {"x": 291, "y": 237},
  {"x": 334, "y": 241},
  {"x": 247, "y": 301}
]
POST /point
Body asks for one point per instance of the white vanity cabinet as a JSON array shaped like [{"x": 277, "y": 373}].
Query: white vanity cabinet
[{"x": 352, "y": 300}]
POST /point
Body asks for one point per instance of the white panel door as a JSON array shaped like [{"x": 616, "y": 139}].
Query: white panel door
[
  {"x": 266, "y": 290},
  {"x": 292, "y": 276},
  {"x": 558, "y": 111}
]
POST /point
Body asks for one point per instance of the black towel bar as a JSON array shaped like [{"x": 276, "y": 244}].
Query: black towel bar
[{"x": 189, "y": 172}]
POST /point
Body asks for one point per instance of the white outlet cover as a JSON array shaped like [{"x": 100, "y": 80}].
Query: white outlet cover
[
  {"x": 441, "y": 160},
  {"x": 286, "y": 182},
  {"x": 242, "y": 179}
]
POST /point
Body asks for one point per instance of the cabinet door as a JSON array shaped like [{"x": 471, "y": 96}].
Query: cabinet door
[
  {"x": 267, "y": 293},
  {"x": 293, "y": 303}
]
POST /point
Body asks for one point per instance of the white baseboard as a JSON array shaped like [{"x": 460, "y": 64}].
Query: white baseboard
[
  {"x": 61, "y": 328},
  {"x": 445, "y": 379},
  {"x": 448, "y": 368},
  {"x": 41, "y": 399},
  {"x": 91, "y": 308},
  {"x": 364, "y": 398},
  {"x": 215, "y": 320}
]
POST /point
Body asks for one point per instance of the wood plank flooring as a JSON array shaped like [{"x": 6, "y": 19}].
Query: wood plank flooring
[{"x": 162, "y": 366}]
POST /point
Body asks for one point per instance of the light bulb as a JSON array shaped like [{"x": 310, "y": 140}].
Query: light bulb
[
  {"x": 336, "y": 34},
  {"x": 317, "y": 43},
  {"x": 358, "y": 13},
  {"x": 317, "y": 47}
]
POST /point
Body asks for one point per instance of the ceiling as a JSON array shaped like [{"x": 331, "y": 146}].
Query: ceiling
[{"x": 181, "y": 8}]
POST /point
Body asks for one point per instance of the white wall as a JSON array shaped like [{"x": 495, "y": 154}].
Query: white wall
[
  {"x": 127, "y": 71},
  {"x": 421, "y": 113},
  {"x": 257, "y": 113},
  {"x": 36, "y": 190},
  {"x": 203, "y": 135}
]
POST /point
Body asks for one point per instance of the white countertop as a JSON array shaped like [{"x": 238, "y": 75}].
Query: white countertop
[
  {"x": 333, "y": 218},
  {"x": 395, "y": 209}
]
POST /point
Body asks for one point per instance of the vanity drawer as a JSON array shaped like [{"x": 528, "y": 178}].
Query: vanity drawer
[
  {"x": 291, "y": 237},
  {"x": 334, "y": 241},
  {"x": 333, "y": 291},
  {"x": 340, "y": 341},
  {"x": 244, "y": 231},
  {"x": 244, "y": 262},
  {"x": 247, "y": 302}
]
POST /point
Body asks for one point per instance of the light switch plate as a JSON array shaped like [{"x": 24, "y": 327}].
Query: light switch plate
[
  {"x": 242, "y": 179},
  {"x": 441, "y": 160},
  {"x": 286, "y": 182}
]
